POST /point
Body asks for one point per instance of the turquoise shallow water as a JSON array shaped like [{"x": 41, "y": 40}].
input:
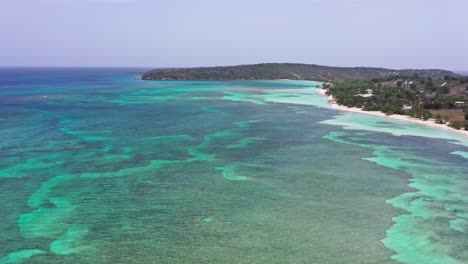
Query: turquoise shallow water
[{"x": 99, "y": 167}]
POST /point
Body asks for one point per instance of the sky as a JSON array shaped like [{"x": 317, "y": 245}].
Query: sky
[{"x": 183, "y": 33}]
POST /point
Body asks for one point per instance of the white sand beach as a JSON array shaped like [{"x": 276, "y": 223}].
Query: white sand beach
[{"x": 430, "y": 122}]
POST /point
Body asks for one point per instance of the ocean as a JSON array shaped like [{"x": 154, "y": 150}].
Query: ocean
[{"x": 98, "y": 166}]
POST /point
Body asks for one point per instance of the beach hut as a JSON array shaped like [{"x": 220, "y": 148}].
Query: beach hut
[{"x": 406, "y": 107}]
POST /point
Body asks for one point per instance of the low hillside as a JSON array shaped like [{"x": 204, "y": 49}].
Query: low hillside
[{"x": 272, "y": 71}]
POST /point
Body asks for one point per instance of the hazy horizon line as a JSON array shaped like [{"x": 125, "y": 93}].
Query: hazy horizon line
[{"x": 459, "y": 71}]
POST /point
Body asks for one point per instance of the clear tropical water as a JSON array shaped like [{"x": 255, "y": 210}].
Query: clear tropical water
[{"x": 97, "y": 166}]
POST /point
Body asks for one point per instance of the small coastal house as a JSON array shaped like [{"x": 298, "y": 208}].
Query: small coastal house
[
  {"x": 368, "y": 94},
  {"x": 406, "y": 107},
  {"x": 459, "y": 103}
]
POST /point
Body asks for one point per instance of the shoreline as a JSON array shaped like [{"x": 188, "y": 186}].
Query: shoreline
[{"x": 431, "y": 122}]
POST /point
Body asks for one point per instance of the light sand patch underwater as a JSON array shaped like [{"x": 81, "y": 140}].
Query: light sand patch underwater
[
  {"x": 357, "y": 121},
  {"x": 304, "y": 94},
  {"x": 432, "y": 228}
]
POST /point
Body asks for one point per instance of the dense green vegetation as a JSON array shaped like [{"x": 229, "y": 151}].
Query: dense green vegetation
[
  {"x": 273, "y": 71},
  {"x": 412, "y": 95},
  {"x": 457, "y": 124},
  {"x": 389, "y": 100}
]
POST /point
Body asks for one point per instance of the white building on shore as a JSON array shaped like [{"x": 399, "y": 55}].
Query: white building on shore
[{"x": 368, "y": 94}]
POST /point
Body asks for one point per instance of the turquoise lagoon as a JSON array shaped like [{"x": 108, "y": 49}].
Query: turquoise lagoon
[{"x": 97, "y": 166}]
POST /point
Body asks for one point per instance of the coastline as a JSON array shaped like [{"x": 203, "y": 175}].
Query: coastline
[{"x": 431, "y": 122}]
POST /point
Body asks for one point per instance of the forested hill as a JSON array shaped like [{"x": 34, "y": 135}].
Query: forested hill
[{"x": 272, "y": 71}]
